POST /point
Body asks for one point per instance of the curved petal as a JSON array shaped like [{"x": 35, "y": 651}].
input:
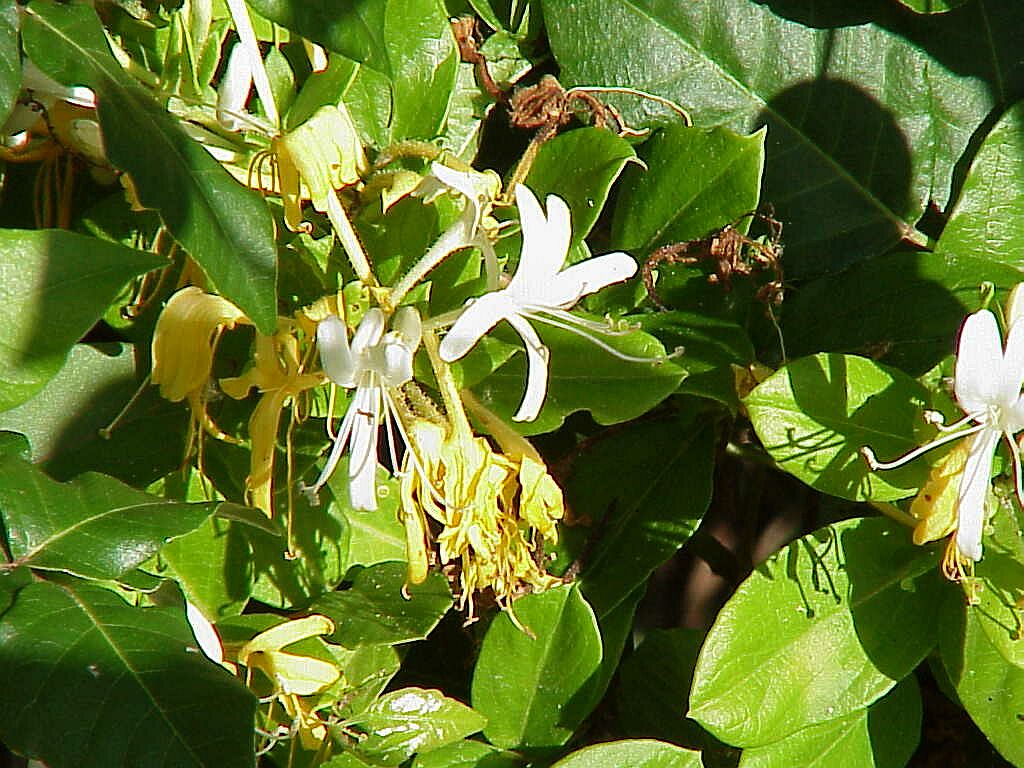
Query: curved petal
[
  {"x": 584, "y": 278},
  {"x": 369, "y": 332},
  {"x": 335, "y": 354},
  {"x": 407, "y": 324},
  {"x": 979, "y": 362},
  {"x": 1015, "y": 305},
  {"x": 362, "y": 455},
  {"x": 974, "y": 485},
  {"x": 536, "y": 370},
  {"x": 397, "y": 368},
  {"x": 545, "y": 242},
  {"x": 205, "y": 634},
  {"x": 475, "y": 321},
  {"x": 1013, "y": 366},
  {"x": 234, "y": 89}
]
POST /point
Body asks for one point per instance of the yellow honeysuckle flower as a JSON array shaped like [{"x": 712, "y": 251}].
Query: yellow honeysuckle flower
[
  {"x": 291, "y": 673},
  {"x": 278, "y": 374},
  {"x": 183, "y": 345}
]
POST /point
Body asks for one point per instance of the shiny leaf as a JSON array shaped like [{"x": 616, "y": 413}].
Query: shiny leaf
[{"x": 641, "y": 753}]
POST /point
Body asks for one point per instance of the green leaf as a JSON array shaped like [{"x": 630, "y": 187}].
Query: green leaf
[
  {"x": 526, "y": 684},
  {"x": 56, "y": 285},
  {"x": 654, "y": 686},
  {"x": 651, "y": 482},
  {"x": 696, "y": 181},
  {"x": 94, "y": 526},
  {"x": 864, "y": 125},
  {"x": 12, "y": 580},
  {"x": 641, "y": 753},
  {"x": 131, "y": 681},
  {"x": 424, "y": 63},
  {"x": 213, "y": 566},
  {"x": 374, "y": 610},
  {"x": 10, "y": 58},
  {"x": 981, "y": 644},
  {"x": 353, "y": 29},
  {"x": 410, "y": 720},
  {"x": 581, "y": 376},
  {"x": 884, "y": 735},
  {"x": 816, "y": 413},
  {"x": 468, "y": 754},
  {"x": 580, "y": 167},
  {"x": 864, "y": 309},
  {"x": 987, "y": 220},
  {"x": 225, "y": 227},
  {"x": 826, "y": 644}
]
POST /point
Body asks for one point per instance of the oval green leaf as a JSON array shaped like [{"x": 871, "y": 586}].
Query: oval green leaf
[
  {"x": 815, "y": 414},
  {"x": 526, "y": 684},
  {"x": 824, "y": 644},
  {"x": 404, "y": 722}
]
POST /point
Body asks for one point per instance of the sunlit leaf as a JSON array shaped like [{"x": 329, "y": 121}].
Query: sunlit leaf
[{"x": 826, "y": 644}]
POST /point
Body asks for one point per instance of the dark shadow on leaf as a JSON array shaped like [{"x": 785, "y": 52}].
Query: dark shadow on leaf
[{"x": 823, "y": 135}]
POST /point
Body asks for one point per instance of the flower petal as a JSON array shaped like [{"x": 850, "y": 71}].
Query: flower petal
[
  {"x": 205, "y": 634},
  {"x": 979, "y": 362},
  {"x": 369, "y": 332},
  {"x": 234, "y": 88},
  {"x": 571, "y": 284},
  {"x": 974, "y": 485},
  {"x": 545, "y": 242},
  {"x": 475, "y": 321},
  {"x": 407, "y": 324},
  {"x": 335, "y": 354},
  {"x": 1015, "y": 305},
  {"x": 536, "y": 371},
  {"x": 362, "y": 458},
  {"x": 461, "y": 182}
]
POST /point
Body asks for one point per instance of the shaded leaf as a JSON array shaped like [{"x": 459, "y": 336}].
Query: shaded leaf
[
  {"x": 827, "y": 602},
  {"x": 866, "y": 308},
  {"x": 225, "y": 227},
  {"x": 56, "y": 285},
  {"x": 864, "y": 126},
  {"x": 816, "y": 413},
  {"x": 468, "y": 754},
  {"x": 373, "y": 609},
  {"x": 526, "y": 685},
  {"x": 131, "y": 680},
  {"x": 410, "y": 720},
  {"x": 10, "y": 58},
  {"x": 94, "y": 526}
]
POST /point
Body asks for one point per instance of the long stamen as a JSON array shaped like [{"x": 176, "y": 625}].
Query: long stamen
[
  {"x": 608, "y": 328},
  {"x": 874, "y": 464},
  {"x": 312, "y": 492},
  {"x": 938, "y": 421},
  {"x": 417, "y": 465},
  {"x": 1017, "y": 479},
  {"x": 656, "y": 360}
]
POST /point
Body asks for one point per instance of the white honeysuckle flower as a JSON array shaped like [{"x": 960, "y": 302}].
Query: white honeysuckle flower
[
  {"x": 541, "y": 290},
  {"x": 987, "y": 383},
  {"x": 480, "y": 190},
  {"x": 43, "y": 89},
  {"x": 234, "y": 89},
  {"x": 205, "y": 634},
  {"x": 374, "y": 363}
]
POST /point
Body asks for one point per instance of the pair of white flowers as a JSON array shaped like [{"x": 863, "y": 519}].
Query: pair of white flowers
[
  {"x": 988, "y": 378},
  {"x": 540, "y": 291}
]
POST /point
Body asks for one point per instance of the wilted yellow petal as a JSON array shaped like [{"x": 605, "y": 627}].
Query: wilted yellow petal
[
  {"x": 301, "y": 675},
  {"x": 183, "y": 340},
  {"x": 936, "y": 503},
  {"x": 276, "y": 638}
]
